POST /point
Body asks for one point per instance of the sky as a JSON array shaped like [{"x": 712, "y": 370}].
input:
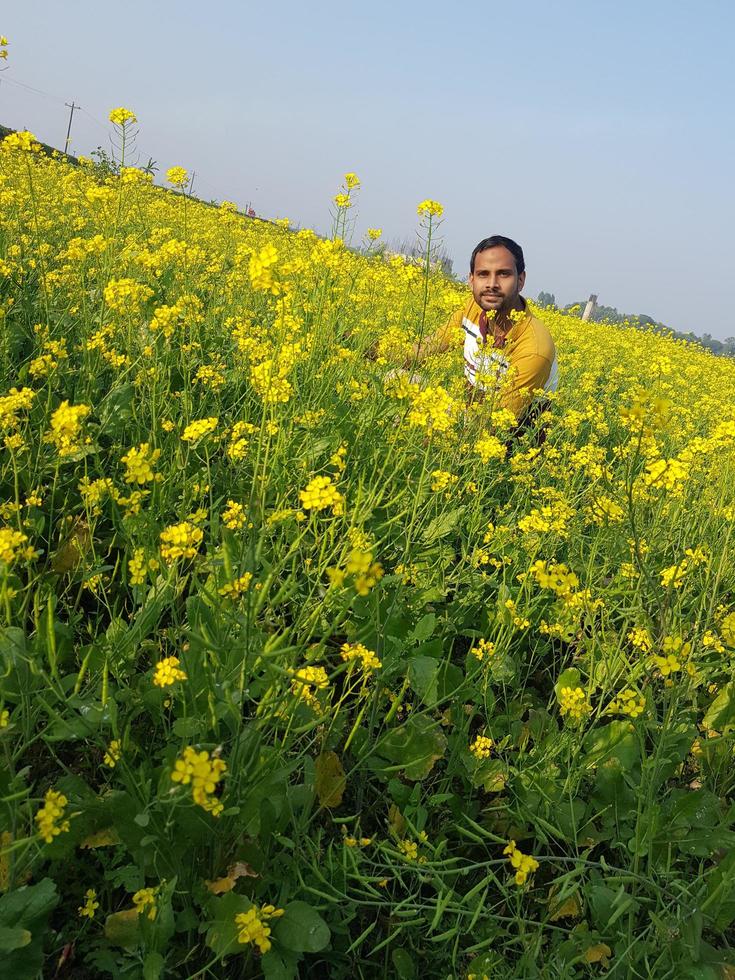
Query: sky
[{"x": 597, "y": 134}]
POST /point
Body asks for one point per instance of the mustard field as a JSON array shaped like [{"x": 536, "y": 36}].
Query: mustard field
[{"x": 307, "y": 669}]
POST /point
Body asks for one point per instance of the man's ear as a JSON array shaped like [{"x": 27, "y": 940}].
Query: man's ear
[{"x": 521, "y": 280}]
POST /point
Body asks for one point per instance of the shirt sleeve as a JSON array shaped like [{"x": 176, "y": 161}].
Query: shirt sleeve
[{"x": 530, "y": 371}]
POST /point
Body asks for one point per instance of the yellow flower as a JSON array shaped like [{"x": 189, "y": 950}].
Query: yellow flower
[
  {"x": 374, "y": 234},
  {"x": 234, "y": 589},
  {"x": 23, "y": 141},
  {"x": 90, "y": 904},
  {"x": 10, "y": 544},
  {"x": 122, "y": 116},
  {"x": 352, "y": 181},
  {"x": 145, "y": 898},
  {"x": 113, "y": 754},
  {"x": 356, "y": 651},
  {"x": 203, "y": 774},
  {"x": 484, "y": 648},
  {"x": 574, "y": 704},
  {"x": 180, "y": 541},
  {"x": 481, "y": 747},
  {"x": 320, "y": 493},
  {"x": 177, "y": 176},
  {"x": 66, "y": 424},
  {"x": 139, "y": 464},
  {"x": 342, "y": 200},
  {"x": 233, "y": 517},
  {"x": 197, "y": 430},
  {"x": 430, "y": 209},
  {"x": 253, "y": 928},
  {"x": 167, "y": 672},
  {"x": 524, "y": 864},
  {"x": 50, "y": 818}
]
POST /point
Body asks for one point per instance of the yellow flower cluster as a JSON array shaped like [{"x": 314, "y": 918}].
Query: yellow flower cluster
[
  {"x": 483, "y": 649},
  {"x": 121, "y": 116},
  {"x": 50, "y": 818},
  {"x": 10, "y": 543},
  {"x": 628, "y": 702},
  {"x": 90, "y": 904},
  {"x": 321, "y": 493},
  {"x": 430, "y": 209},
  {"x": 574, "y": 705},
  {"x": 177, "y": 176},
  {"x": 197, "y": 430},
  {"x": 308, "y": 680},
  {"x": 441, "y": 480},
  {"x": 139, "y": 464},
  {"x": 23, "y": 141},
  {"x": 66, "y": 425},
  {"x": 145, "y": 902},
  {"x": 167, "y": 672},
  {"x": 356, "y": 651},
  {"x": 113, "y": 754},
  {"x": 126, "y": 295},
  {"x": 234, "y": 589},
  {"x": 233, "y": 516},
  {"x": 555, "y": 576},
  {"x": 17, "y": 400},
  {"x": 523, "y": 864},
  {"x": 490, "y": 447},
  {"x": 261, "y": 270},
  {"x": 252, "y": 926},
  {"x": 180, "y": 541},
  {"x": 204, "y": 774},
  {"x": 482, "y": 747}
]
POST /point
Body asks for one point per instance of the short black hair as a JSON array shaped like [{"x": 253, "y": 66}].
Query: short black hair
[{"x": 492, "y": 242}]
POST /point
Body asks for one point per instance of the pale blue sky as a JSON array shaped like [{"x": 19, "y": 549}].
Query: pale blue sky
[{"x": 599, "y": 134}]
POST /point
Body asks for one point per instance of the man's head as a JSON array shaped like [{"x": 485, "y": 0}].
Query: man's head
[{"x": 497, "y": 274}]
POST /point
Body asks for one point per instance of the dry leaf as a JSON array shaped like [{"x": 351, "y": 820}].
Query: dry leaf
[
  {"x": 101, "y": 838},
  {"x": 330, "y": 779},
  {"x": 569, "y": 908},
  {"x": 599, "y": 953},
  {"x": 396, "y": 822},
  {"x": 238, "y": 870}
]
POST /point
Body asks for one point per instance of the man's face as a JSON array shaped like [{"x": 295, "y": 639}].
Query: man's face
[{"x": 495, "y": 282}]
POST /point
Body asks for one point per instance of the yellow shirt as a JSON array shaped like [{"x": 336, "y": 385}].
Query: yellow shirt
[{"x": 526, "y": 351}]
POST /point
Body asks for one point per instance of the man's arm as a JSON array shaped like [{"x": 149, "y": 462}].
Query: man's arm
[{"x": 438, "y": 342}]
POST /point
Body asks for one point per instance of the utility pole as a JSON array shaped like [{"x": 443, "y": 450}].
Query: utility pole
[
  {"x": 68, "y": 128},
  {"x": 590, "y": 307}
]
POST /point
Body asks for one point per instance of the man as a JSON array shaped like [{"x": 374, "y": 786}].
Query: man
[{"x": 508, "y": 352}]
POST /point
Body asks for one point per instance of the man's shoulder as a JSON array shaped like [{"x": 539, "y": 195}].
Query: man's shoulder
[{"x": 536, "y": 338}]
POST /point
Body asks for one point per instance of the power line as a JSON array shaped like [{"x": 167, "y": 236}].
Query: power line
[{"x": 31, "y": 88}]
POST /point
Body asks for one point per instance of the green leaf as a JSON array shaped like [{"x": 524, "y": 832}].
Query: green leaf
[
  {"x": 616, "y": 740},
  {"x": 568, "y": 678},
  {"x": 301, "y": 929},
  {"x": 423, "y": 629},
  {"x": 123, "y": 928},
  {"x": 13, "y": 938},
  {"x": 444, "y": 524},
  {"x": 223, "y": 930},
  {"x": 415, "y": 746},
  {"x": 25, "y": 911},
  {"x": 279, "y": 964},
  {"x": 153, "y": 966},
  {"x": 422, "y": 677},
  {"x": 720, "y": 715},
  {"x": 403, "y": 964}
]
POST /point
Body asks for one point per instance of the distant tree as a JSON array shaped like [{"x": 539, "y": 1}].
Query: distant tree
[{"x": 546, "y": 299}]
